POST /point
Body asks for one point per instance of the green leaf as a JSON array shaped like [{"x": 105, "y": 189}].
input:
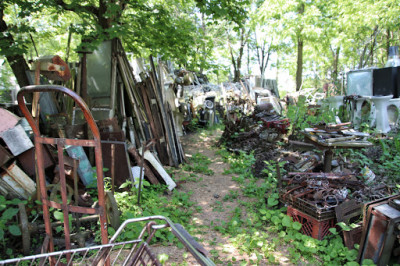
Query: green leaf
[
  {"x": 1, "y": 234},
  {"x": 14, "y": 230},
  {"x": 163, "y": 258},
  {"x": 352, "y": 263},
  {"x": 9, "y": 213},
  {"x": 124, "y": 185},
  {"x": 272, "y": 202},
  {"x": 296, "y": 226},
  {"x": 333, "y": 231},
  {"x": 367, "y": 262},
  {"x": 59, "y": 216},
  {"x": 286, "y": 221},
  {"x": 344, "y": 226}
]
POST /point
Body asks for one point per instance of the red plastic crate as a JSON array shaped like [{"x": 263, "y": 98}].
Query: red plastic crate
[{"x": 311, "y": 226}]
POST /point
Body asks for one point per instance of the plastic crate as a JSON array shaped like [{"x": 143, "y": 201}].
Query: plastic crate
[
  {"x": 310, "y": 226},
  {"x": 313, "y": 210}
]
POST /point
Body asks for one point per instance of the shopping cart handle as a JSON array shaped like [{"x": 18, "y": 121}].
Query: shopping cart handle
[{"x": 191, "y": 240}]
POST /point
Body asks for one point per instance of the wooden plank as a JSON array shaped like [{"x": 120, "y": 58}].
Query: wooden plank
[
  {"x": 164, "y": 116},
  {"x": 148, "y": 173}
]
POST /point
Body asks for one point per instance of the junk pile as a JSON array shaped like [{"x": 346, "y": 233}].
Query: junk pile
[
  {"x": 128, "y": 114},
  {"x": 123, "y": 124},
  {"x": 321, "y": 190},
  {"x": 256, "y": 132}
]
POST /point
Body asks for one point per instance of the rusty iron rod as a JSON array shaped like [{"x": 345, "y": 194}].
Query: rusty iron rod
[{"x": 112, "y": 167}]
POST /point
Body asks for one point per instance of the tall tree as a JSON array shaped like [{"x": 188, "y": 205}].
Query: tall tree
[
  {"x": 11, "y": 49},
  {"x": 236, "y": 14}
]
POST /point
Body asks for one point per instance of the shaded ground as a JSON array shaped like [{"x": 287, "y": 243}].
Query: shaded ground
[{"x": 209, "y": 192}]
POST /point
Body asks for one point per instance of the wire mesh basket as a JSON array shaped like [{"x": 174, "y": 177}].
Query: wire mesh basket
[{"x": 132, "y": 252}]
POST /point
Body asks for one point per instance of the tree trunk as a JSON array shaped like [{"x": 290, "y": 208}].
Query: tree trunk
[
  {"x": 203, "y": 46},
  {"x": 299, "y": 65},
  {"x": 16, "y": 61},
  {"x": 243, "y": 39},
  {"x": 335, "y": 72}
]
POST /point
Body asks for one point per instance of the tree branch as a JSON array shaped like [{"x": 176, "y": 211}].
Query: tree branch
[{"x": 78, "y": 8}]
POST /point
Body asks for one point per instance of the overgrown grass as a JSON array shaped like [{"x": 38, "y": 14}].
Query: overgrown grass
[
  {"x": 266, "y": 228},
  {"x": 178, "y": 207},
  {"x": 198, "y": 164}
]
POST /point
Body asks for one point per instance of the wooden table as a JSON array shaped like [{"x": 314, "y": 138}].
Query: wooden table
[{"x": 343, "y": 142}]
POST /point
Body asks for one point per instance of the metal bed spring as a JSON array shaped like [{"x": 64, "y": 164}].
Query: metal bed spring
[{"x": 132, "y": 252}]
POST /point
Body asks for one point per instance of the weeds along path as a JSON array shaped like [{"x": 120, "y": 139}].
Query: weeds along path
[{"x": 223, "y": 205}]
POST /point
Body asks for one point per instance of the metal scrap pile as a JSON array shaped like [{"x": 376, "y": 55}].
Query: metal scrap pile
[
  {"x": 318, "y": 194},
  {"x": 257, "y": 132}
]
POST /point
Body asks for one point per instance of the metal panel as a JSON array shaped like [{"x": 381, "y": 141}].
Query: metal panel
[
  {"x": 27, "y": 160},
  {"x": 7, "y": 120},
  {"x": 360, "y": 82},
  {"x": 17, "y": 140}
]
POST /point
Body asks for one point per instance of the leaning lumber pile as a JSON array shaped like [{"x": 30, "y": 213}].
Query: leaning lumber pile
[{"x": 134, "y": 116}]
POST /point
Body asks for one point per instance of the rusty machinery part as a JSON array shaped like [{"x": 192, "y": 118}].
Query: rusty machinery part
[
  {"x": 317, "y": 183},
  {"x": 112, "y": 211},
  {"x": 54, "y": 68},
  {"x": 24, "y": 225},
  {"x": 330, "y": 201},
  {"x": 56, "y": 190}
]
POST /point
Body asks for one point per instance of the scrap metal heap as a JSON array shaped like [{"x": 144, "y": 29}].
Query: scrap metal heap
[{"x": 321, "y": 188}]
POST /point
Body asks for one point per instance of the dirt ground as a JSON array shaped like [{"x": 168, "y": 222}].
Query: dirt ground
[{"x": 208, "y": 193}]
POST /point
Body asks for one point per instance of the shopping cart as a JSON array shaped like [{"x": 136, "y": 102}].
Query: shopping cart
[{"x": 132, "y": 252}]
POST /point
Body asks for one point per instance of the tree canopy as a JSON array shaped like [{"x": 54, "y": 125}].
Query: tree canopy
[{"x": 315, "y": 40}]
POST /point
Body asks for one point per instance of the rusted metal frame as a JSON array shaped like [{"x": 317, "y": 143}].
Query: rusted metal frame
[
  {"x": 319, "y": 174},
  {"x": 389, "y": 241},
  {"x": 112, "y": 167},
  {"x": 64, "y": 205},
  {"x": 71, "y": 208},
  {"x": 375, "y": 225},
  {"x": 290, "y": 191},
  {"x": 76, "y": 194},
  {"x": 151, "y": 232},
  {"x": 309, "y": 191},
  {"x": 43, "y": 192},
  {"x": 61, "y": 142},
  {"x": 367, "y": 211},
  {"x": 68, "y": 142}
]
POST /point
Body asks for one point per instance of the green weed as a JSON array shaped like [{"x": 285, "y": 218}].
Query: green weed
[{"x": 198, "y": 164}]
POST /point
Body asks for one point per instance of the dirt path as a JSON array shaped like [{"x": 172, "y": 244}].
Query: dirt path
[{"x": 208, "y": 192}]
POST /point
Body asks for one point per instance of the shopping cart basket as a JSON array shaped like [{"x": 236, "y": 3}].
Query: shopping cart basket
[{"x": 132, "y": 252}]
